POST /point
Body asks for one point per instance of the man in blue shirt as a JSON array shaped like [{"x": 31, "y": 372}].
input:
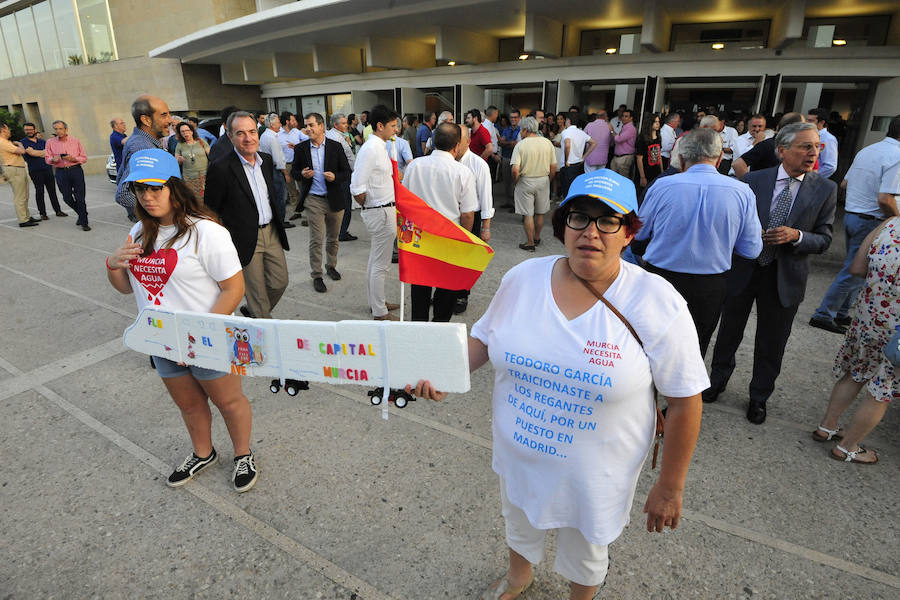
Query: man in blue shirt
[
  {"x": 117, "y": 140},
  {"x": 423, "y": 134},
  {"x": 695, "y": 220},
  {"x": 40, "y": 172},
  {"x": 872, "y": 182},
  {"x": 508, "y": 138}
]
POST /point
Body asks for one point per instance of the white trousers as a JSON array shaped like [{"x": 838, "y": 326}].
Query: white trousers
[{"x": 381, "y": 223}]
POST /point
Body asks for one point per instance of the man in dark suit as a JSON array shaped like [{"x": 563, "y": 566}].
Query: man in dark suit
[
  {"x": 796, "y": 209},
  {"x": 321, "y": 167},
  {"x": 240, "y": 190}
]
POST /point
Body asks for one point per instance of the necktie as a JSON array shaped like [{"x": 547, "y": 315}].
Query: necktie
[{"x": 776, "y": 219}]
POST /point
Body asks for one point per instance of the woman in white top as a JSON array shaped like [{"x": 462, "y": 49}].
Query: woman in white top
[
  {"x": 177, "y": 257},
  {"x": 573, "y": 403}
]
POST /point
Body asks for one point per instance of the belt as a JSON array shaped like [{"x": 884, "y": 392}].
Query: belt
[
  {"x": 264, "y": 225},
  {"x": 379, "y": 206},
  {"x": 864, "y": 216},
  {"x": 620, "y": 155},
  {"x": 70, "y": 167},
  {"x": 13, "y": 167}
]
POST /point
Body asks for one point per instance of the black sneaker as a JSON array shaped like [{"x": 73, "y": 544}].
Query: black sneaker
[
  {"x": 245, "y": 474},
  {"x": 192, "y": 465}
]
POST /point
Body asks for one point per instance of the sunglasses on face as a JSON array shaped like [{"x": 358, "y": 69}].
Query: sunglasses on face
[{"x": 580, "y": 221}]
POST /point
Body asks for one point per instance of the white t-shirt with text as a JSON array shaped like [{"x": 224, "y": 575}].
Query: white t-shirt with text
[
  {"x": 185, "y": 276},
  {"x": 573, "y": 414}
]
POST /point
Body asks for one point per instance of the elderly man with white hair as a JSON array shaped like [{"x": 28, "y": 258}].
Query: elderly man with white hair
[
  {"x": 695, "y": 220},
  {"x": 533, "y": 165},
  {"x": 269, "y": 143}
]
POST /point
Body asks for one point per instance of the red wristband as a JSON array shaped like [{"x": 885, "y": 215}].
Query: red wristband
[{"x": 109, "y": 267}]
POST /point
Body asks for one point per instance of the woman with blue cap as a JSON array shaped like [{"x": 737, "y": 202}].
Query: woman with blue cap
[
  {"x": 178, "y": 257},
  {"x": 577, "y": 343}
]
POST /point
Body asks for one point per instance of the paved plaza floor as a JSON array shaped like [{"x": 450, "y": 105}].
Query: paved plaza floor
[{"x": 351, "y": 506}]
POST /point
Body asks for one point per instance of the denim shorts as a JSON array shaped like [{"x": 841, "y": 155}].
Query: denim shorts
[{"x": 168, "y": 369}]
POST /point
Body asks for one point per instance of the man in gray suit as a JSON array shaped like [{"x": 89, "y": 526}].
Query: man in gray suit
[{"x": 796, "y": 209}]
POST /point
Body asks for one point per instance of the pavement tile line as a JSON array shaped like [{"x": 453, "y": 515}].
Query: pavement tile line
[
  {"x": 35, "y": 379},
  {"x": 718, "y": 524},
  {"x": 287, "y": 544},
  {"x": 131, "y": 315},
  {"x": 62, "y": 367}
]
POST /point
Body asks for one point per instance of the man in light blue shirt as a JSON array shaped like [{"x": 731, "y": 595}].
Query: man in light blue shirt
[
  {"x": 872, "y": 181},
  {"x": 828, "y": 144},
  {"x": 694, "y": 221}
]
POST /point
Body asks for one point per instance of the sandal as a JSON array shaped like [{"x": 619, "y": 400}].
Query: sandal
[
  {"x": 502, "y": 586},
  {"x": 842, "y": 454},
  {"x": 826, "y": 435}
]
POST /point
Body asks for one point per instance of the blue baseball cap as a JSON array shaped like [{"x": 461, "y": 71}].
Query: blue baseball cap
[
  {"x": 152, "y": 166},
  {"x": 609, "y": 187}
]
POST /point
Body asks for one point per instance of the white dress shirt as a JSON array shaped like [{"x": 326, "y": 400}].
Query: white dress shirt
[
  {"x": 373, "y": 174},
  {"x": 667, "y": 140},
  {"x": 828, "y": 155},
  {"x": 495, "y": 137},
  {"x": 445, "y": 185},
  {"x": 576, "y": 148},
  {"x": 268, "y": 143},
  {"x": 337, "y": 136},
  {"x": 729, "y": 137},
  {"x": 617, "y": 124},
  {"x": 289, "y": 137},
  {"x": 483, "y": 187},
  {"x": 258, "y": 186}
]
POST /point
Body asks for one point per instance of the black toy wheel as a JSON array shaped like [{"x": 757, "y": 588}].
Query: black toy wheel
[
  {"x": 400, "y": 401},
  {"x": 275, "y": 386}
]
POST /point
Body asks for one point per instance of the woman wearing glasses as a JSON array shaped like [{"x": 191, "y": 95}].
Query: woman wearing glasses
[
  {"x": 573, "y": 403},
  {"x": 177, "y": 257}
]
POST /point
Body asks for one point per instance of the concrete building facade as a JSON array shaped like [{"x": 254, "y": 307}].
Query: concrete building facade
[{"x": 347, "y": 55}]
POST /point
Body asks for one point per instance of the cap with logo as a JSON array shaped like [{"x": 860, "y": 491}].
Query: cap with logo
[
  {"x": 153, "y": 166},
  {"x": 605, "y": 185}
]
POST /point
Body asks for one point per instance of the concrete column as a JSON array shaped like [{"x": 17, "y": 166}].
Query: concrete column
[
  {"x": 336, "y": 59},
  {"x": 656, "y": 103},
  {"x": 398, "y": 54},
  {"x": 565, "y": 95},
  {"x": 258, "y": 71},
  {"x": 495, "y": 97},
  {"x": 543, "y": 35},
  {"x": 362, "y": 100},
  {"x": 630, "y": 43},
  {"x": 624, "y": 95},
  {"x": 820, "y": 36},
  {"x": 787, "y": 23},
  {"x": 808, "y": 95},
  {"x": 232, "y": 74},
  {"x": 471, "y": 96},
  {"x": 656, "y": 30},
  {"x": 412, "y": 100},
  {"x": 293, "y": 66},
  {"x": 465, "y": 47}
]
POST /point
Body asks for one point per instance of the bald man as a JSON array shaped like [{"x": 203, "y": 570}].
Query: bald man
[{"x": 151, "y": 125}]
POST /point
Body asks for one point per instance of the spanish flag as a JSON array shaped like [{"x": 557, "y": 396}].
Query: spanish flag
[{"x": 434, "y": 251}]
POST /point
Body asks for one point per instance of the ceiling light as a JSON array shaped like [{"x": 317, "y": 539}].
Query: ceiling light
[
  {"x": 839, "y": 42},
  {"x": 523, "y": 57},
  {"x": 611, "y": 50},
  {"x": 718, "y": 46},
  {"x": 451, "y": 63}
]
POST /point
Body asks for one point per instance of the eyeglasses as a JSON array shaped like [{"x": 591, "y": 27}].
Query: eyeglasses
[
  {"x": 580, "y": 221},
  {"x": 140, "y": 188}
]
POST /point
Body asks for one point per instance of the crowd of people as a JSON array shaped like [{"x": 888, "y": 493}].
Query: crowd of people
[{"x": 673, "y": 227}]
